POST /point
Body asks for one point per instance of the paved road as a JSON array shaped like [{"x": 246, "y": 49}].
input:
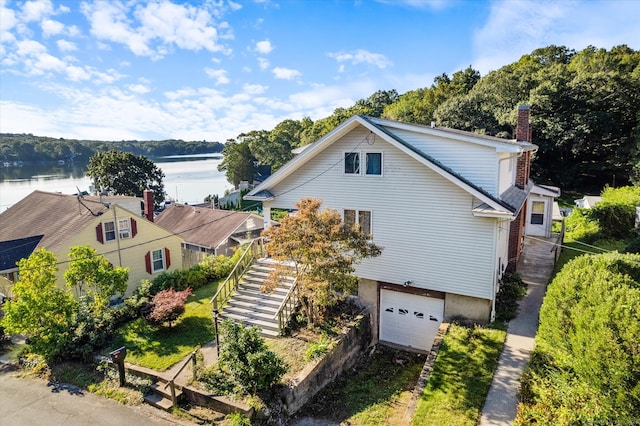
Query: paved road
[{"x": 26, "y": 402}]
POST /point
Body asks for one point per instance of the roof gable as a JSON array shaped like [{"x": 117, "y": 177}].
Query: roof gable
[{"x": 381, "y": 129}]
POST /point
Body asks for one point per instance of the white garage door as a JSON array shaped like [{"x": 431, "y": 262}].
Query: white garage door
[{"x": 409, "y": 319}]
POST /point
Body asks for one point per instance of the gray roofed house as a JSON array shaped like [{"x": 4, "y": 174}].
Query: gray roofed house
[{"x": 210, "y": 231}]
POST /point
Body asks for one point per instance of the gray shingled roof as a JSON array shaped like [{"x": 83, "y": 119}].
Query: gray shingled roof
[
  {"x": 57, "y": 217},
  {"x": 202, "y": 226}
]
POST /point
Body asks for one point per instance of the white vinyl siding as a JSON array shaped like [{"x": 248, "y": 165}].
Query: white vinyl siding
[
  {"x": 423, "y": 221},
  {"x": 477, "y": 163}
]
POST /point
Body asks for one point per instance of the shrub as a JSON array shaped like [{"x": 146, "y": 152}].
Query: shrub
[
  {"x": 216, "y": 267},
  {"x": 316, "y": 350},
  {"x": 580, "y": 225},
  {"x": 615, "y": 220},
  {"x": 512, "y": 289},
  {"x": 166, "y": 306},
  {"x": 244, "y": 353},
  {"x": 588, "y": 341}
]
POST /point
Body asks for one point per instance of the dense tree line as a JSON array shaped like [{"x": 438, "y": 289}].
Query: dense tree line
[
  {"x": 33, "y": 149},
  {"x": 585, "y": 109}
]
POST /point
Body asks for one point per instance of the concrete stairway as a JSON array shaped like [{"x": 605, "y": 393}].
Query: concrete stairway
[
  {"x": 160, "y": 396},
  {"x": 253, "y": 307}
]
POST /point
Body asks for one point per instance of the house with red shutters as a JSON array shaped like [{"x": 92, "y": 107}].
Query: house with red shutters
[{"x": 118, "y": 227}]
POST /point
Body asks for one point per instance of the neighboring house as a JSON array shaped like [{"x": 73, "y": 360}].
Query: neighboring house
[
  {"x": 58, "y": 222},
  {"x": 588, "y": 201},
  {"x": 210, "y": 231},
  {"x": 542, "y": 210},
  {"x": 448, "y": 207}
]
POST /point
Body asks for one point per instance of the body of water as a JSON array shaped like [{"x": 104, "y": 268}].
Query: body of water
[{"x": 188, "y": 179}]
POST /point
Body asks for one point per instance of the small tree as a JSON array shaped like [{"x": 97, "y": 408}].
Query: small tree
[
  {"x": 324, "y": 251},
  {"x": 166, "y": 306},
  {"x": 93, "y": 278},
  {"x": 41, "y": 310},
  {"x": 253, "y": 366}
]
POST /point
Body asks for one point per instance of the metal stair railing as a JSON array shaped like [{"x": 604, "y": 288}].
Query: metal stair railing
[{"x": 256, "y": 250}]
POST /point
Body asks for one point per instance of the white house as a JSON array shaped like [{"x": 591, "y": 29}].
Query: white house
[
  {"x": 442, "y": 203},
  {"x": 542, "y": 210}
]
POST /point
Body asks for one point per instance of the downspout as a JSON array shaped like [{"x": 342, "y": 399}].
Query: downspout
[
  {"x": 492, "y": 316},
  {"x": 117, "y": 229}
]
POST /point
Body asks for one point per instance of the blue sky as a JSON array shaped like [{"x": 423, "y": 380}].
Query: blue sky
[{"x": 210, "y": 70}]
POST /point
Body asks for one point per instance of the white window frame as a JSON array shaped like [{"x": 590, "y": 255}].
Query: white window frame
[
  {"x": 107, "y": 232},
  {"x": 357, "y": 219},
  {"x": 124, "y": 232},
  {"x": 154, "y": 260},
  {"x": 366, "y": 161},
  {"x": 358, "y": 154},
  {"x": 537, "y": 215}
]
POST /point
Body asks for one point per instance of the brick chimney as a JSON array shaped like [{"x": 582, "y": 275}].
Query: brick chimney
[
  {"x": 148, "y": 204},
  {"x": 523, "y": 134}
]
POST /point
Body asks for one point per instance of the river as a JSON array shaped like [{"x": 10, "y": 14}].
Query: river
[{"x": 188, "y": 179}]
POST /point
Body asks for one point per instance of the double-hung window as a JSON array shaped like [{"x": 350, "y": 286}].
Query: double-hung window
[
  {"x": 537, "y": 213},
  {"x": 109, "y": 231},
  {"x": 124, "y": 228},
  {"x": 362, "y": 218},
  {"x": 157, "y": 260},
  {"x": 352, "y": 163},
  {"x": 372, "y": 163}
]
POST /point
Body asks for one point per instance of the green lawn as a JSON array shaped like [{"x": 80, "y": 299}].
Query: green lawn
[
  {"x": 161, "y": 347},
  {"x": 461, "y": 376}
]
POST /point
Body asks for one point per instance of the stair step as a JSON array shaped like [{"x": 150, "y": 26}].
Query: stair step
[
  {"x": 159, "y": 401},
  {"x": 252, "y": 305},
  {"x": 165, "y": 391},
  {"x": 250, "y": 314},
  {"x": 263, "y": 324},
  {"x": 252, "y": 298},
  {"x": 257, "y": 288}
]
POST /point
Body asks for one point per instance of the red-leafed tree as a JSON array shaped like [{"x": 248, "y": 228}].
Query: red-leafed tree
[{"x": 166, "y": 306}]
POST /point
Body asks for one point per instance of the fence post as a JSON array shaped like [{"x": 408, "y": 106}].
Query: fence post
[{"x": 173, "y": 393}]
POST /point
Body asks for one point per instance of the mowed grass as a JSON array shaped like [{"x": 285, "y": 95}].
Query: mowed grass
[
  {"x": 159, "y": 348},
  {"x": 461, "y": 376}
]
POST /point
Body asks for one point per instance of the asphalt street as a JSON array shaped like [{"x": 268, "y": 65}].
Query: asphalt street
[{"x": 26, "y": 402}]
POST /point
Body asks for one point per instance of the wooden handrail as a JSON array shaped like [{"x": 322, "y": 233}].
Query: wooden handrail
[
  {"x": 293, "y": 288},
  {"x": 231, "y": 283}
]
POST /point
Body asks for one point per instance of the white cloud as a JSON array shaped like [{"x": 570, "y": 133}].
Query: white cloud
[
  {"x": 66, "y": 46},
  {"x": 219, "y": 75},
  {"x": 263, "y": 63},
  {"x": 51, "y": 27},
  {"x": 361, "y": 56},
  {"x": 36, "y": 10},
  {"x": 286, "y": 73},
  {"x": 161, "y": 25},
  {"x": 140, "y": 89},
  {"x": 264, "y": 47},
  {"x": 254, "y": 89},
  {"x": 515, "y": 28}
]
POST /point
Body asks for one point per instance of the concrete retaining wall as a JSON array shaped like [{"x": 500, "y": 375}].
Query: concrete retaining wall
[{"x": 317, "y": 375}]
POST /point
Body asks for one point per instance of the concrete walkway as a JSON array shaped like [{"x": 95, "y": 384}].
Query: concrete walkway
[{"x": 535, "y": 267}]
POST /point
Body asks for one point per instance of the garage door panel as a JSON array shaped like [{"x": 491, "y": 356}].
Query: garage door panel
[{"x": 408, "y": 319}]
